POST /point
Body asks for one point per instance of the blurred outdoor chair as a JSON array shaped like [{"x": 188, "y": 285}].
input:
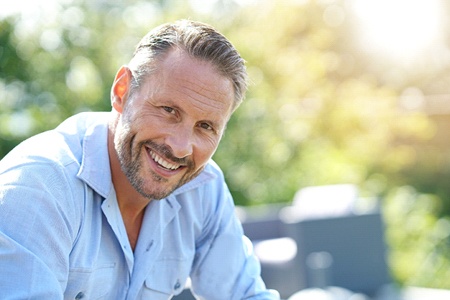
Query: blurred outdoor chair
[
  {"x": 325, "y": 238},
  {"x": 262, "y": 225}
]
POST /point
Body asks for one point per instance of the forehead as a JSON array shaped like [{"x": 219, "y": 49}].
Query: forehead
[{"x": 192, "y": 81}]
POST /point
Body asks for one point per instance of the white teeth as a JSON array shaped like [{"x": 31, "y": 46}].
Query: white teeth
[{"x": 162, "y": 162}]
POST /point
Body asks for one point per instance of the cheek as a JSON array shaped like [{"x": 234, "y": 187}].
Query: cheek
[
  {"x": 123, "y": 133},
  {"x": 142, "y": 128},
  {"x": 205, "y": 151}
]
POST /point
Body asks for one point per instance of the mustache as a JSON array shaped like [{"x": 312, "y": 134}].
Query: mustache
[{"x": 167, "y": 153}]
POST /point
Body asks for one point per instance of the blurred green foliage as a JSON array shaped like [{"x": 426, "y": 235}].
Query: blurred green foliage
[
  {"x": 313, "y": 115},
  {"x": 418, "y": 238}
]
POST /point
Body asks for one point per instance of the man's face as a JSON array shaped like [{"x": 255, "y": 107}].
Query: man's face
[{"x": 172, "y": 124}]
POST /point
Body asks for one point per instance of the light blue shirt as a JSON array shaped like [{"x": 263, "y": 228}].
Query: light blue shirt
[{"x": 62, "y": 235}]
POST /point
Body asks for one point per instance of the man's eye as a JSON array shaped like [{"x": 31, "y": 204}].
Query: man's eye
[
  {"x": 206, "y": 126},
  {"x": 169, "y": 109}
]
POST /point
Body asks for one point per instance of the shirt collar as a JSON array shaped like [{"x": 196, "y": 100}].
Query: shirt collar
[
  {"x": 95, "y": 169},
  {"x": 206, "y": 175}
]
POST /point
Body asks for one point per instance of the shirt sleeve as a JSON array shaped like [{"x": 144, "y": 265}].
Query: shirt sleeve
[
  {"x": 225, "y": 267},
  {"x": 35, "y": 235}
]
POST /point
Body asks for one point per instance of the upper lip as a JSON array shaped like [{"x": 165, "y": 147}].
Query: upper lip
[{"x": 163, "y": 162}]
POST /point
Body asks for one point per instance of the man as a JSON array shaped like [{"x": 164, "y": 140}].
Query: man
[{"x": 128, "y": 204}]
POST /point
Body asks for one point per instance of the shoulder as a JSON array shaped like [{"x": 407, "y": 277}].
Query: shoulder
[
  {"x": 61, "y": 146},
  {"x": 49, "y": 162}
]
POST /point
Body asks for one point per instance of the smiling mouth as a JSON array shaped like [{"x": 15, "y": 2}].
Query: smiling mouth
[{"x": 163, "y": 163}]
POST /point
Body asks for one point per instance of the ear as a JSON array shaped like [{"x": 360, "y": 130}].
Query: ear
[{"x": 120, "y": 88}]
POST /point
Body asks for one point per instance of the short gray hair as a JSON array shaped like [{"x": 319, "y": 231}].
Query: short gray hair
[{"x": 198, "y": 40}]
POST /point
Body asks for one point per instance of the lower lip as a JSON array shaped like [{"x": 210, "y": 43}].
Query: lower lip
[{"x": 159, "y": 169}]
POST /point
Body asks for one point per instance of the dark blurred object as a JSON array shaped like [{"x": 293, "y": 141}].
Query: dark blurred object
[
  {"x": 185, "y": 295},
  {"x": 346, "y": 251},
  {"x": 328, "y": 237}
]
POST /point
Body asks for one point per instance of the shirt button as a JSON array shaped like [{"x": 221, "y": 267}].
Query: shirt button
[
  {"x": 177, "y": 285},
  {"x": 79, "y": 296}
]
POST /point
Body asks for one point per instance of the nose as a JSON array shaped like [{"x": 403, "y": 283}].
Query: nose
[{"x": 180, "y": 140}]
